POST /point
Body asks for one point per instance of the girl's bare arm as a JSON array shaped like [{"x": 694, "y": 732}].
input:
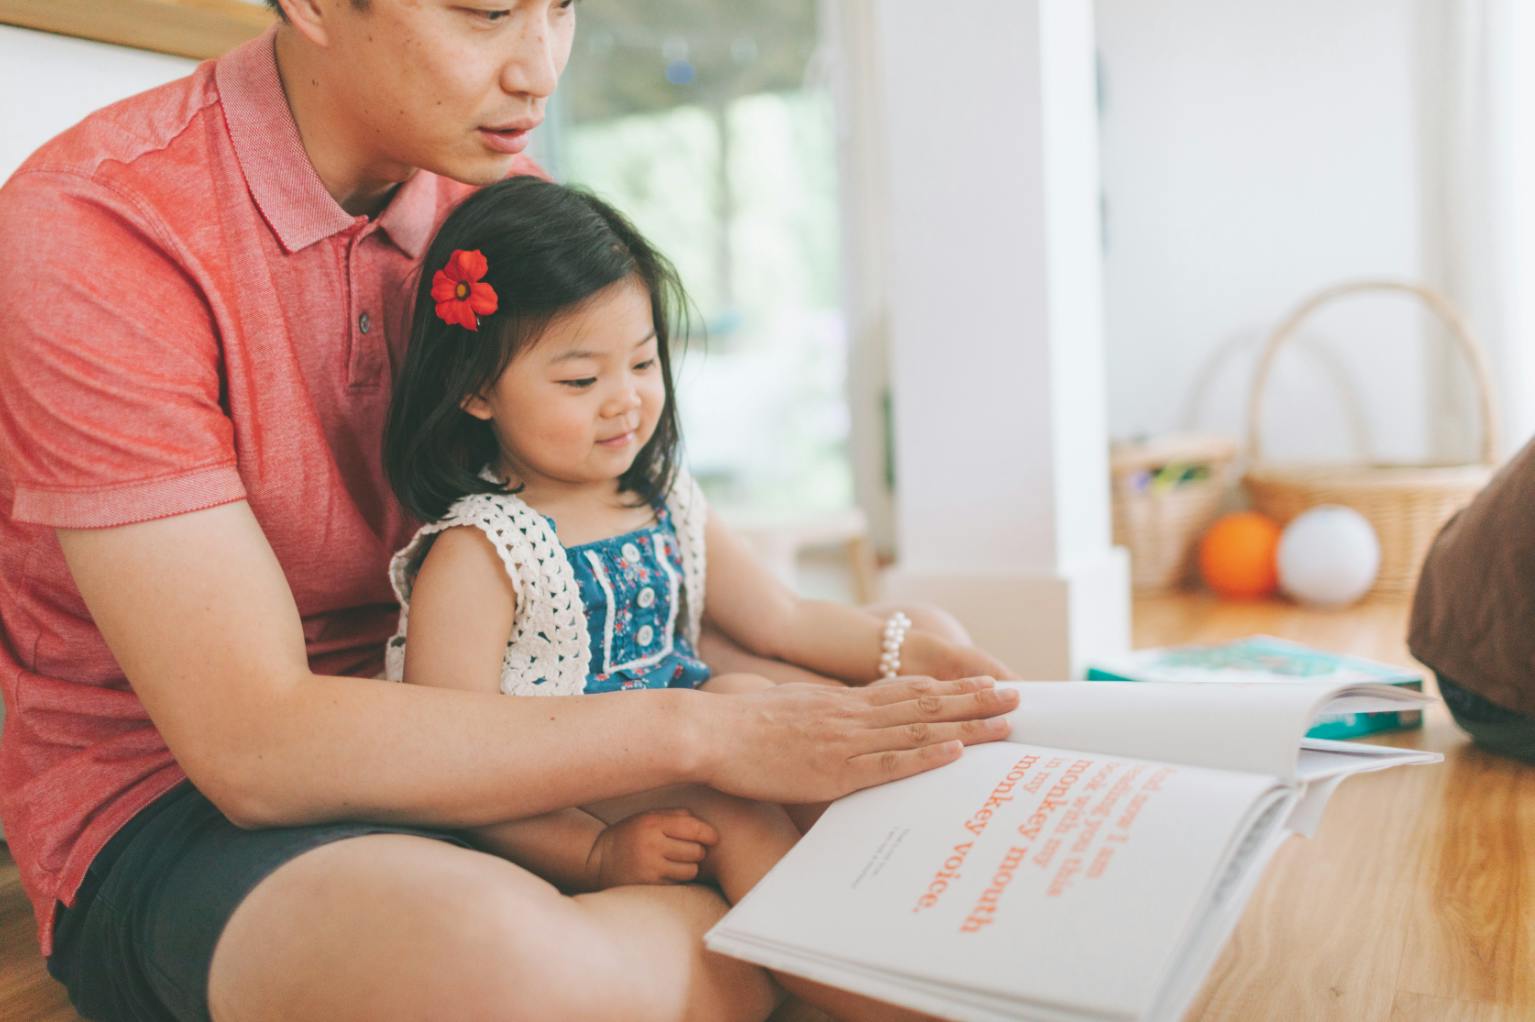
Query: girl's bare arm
[{"x": 753, "y": 608}]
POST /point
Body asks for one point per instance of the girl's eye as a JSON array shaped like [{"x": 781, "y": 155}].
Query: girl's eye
[
  {"x": 640, "y": 367},
  {"x": 581, "y": 384},
  {"x": 491, "y": 16},
  {"x": 566, "y": 5}
]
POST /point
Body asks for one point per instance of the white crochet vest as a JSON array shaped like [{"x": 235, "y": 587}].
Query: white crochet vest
[{"x": 549, "y": 652}]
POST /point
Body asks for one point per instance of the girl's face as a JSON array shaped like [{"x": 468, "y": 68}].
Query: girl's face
[{"x": 574, "y": 407}]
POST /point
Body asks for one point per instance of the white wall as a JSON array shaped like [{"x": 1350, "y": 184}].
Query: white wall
[
  {"x": 994, "y": 303},
  {"x": 49, "y": 82},
  {"x": 1253, "y": 152}
]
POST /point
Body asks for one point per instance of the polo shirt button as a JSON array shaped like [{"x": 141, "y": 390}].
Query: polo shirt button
[
  {"x": 647, "y": 597},
  {"x": 364, "y": 323},
  {"x": 631, "y": 553},
  {"x": 645, "y": 635}
]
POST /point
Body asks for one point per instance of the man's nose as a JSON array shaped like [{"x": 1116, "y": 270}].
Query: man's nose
[{"x": 530, "y": 68}]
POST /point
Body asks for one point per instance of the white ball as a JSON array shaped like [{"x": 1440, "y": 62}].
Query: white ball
[{"x": 1328, "y": 556}]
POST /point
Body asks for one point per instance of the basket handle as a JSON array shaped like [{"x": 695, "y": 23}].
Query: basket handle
[{"x": 1469, "y": 348}]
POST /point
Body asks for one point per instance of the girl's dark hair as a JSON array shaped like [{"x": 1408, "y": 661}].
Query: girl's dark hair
[{"x": 549, "y": 248}]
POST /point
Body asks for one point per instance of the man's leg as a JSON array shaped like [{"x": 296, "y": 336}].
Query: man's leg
[{"x": 393, "y": 926}]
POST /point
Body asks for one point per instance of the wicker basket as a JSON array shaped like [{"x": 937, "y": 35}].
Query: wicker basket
[
  {"x": 1160, "y": 525},
  {"x": 1407, "y": 504}
]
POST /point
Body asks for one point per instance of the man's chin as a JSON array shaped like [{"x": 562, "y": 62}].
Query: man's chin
[{"x": 485, "y": 170}]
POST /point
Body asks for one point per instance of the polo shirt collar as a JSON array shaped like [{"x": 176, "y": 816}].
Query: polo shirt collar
[
  {"x": 282, "y": 180},
  {"x": 411, "y": 214}
]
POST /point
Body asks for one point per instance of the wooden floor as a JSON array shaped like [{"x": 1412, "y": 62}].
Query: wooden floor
[{"x": 1415, "y": 902}]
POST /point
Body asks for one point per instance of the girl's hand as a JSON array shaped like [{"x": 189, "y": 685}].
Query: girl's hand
[
  {"x": 927, "y": 655},
  {"x": 662, "y": 846}
]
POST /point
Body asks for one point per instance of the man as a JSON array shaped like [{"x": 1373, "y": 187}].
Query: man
[{"x": 205, "y": 302}]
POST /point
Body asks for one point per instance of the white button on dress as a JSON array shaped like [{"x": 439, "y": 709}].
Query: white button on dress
[
  {"x": 631, "y": 553},
  {"x": 645, "y": 635},
  {"x": 647, "y": 598}
]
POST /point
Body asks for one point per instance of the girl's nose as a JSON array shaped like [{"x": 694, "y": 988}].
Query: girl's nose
[{"x": 625, "y": 398}]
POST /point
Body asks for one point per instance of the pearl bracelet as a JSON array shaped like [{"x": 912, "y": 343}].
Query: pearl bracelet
[{"x": 896, "y": 627}]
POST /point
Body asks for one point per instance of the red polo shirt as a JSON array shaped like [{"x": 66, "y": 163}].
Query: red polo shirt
[{"x": 189, "y": 319}]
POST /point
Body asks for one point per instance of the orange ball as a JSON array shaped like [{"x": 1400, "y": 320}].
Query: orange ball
[{"x": 1238, "y": 557}]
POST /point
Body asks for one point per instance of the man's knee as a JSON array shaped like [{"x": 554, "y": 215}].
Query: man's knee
[{"x": 387, "y": 927}]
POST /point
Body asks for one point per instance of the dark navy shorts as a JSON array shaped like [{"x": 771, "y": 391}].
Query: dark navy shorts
[{"x": 138, "y": 941}]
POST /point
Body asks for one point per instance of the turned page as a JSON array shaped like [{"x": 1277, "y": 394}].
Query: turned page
[
  {"x": 1228, "y": 726},
  {"x": 1045, "y": 875}
]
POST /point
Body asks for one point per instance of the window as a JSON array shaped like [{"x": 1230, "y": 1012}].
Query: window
[{"x": 704, "y": 122}]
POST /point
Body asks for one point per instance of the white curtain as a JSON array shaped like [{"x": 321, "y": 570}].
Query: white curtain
[
  {"x": 1477, "y": 93},
  {"x": 848, "y": 64}
]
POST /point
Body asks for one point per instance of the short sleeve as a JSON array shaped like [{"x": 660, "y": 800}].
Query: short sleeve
[{"x": 110, "y": 369}]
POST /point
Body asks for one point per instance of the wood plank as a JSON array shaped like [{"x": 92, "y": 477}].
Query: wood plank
[
  {"x": 1423, "y": 1008},
  {"x": 1472, "y": 931},
  {"x": 186, "y": 28},
  {"x": 26, "y": 989}
]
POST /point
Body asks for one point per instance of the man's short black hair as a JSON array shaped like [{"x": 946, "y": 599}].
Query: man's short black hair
[{"x": 361, "y": 5}]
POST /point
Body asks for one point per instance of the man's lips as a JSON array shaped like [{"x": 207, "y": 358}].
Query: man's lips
[{"x": 508, "y": 138}]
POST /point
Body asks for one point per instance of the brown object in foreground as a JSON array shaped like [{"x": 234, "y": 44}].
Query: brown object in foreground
[
  {"x": 1415, "y": 902},
  {"x": 1472, "y": 613}
]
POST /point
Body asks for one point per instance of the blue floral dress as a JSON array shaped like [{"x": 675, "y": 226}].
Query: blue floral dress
[{"x": 631, "y": 589}]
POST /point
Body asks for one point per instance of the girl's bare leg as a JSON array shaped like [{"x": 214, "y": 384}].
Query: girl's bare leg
[
  {"x": 753, "y": 836},
  {"x": 392, "y": 926}
]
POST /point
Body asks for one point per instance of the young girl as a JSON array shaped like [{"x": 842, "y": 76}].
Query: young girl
[{"x": 534, "y": 428}]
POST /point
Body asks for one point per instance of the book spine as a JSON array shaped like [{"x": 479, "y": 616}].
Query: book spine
[
  {"x": 1355, "y": 724},
  {"x": 1098, "y": 674}
]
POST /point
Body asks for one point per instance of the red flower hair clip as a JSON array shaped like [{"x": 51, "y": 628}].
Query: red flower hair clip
[{"x": 461, "y": 295}]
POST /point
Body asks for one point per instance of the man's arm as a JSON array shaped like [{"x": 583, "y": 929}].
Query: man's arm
[{"x": 198, "y": 613}]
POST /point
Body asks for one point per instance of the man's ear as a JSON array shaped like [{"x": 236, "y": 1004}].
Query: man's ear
[
  {"x": 478, "y": 407},
  {"x": 310, "y": 18}
]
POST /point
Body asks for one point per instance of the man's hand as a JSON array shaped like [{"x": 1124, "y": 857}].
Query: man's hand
[
  {"x": 813, "y": 743},
  {"x": 662, "y": 846}
]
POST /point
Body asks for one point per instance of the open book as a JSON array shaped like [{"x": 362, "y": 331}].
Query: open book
[{"x": 1089, "y": 867}]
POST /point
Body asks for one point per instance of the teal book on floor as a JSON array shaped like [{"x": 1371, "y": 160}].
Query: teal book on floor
[{"x": 1261, "y": 659}]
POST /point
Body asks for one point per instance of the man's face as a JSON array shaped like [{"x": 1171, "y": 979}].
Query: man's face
[{"x": 450, "y": 86}]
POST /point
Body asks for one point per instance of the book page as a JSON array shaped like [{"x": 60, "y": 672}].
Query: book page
[
  {"x": 1230, "y": 726},
  {"x": 1323, "y": 765},
  {"x": 1025, "y": 872}
]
